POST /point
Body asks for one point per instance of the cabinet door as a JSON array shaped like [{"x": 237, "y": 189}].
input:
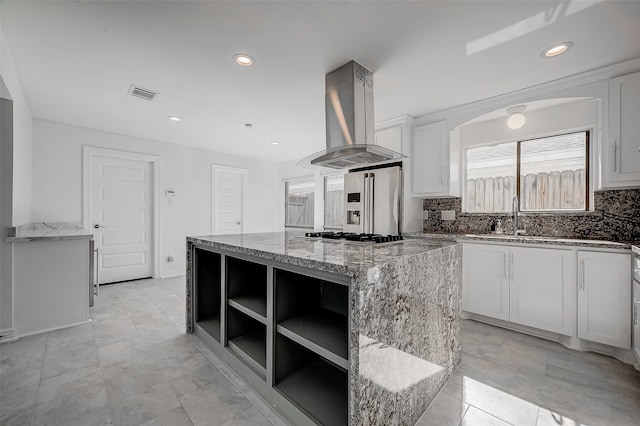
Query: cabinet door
[
  {"x": 604, "y": 298},
  {"x": 485, "y": 280},
  {"x": 430, "y": 159},
  {"x": 622, "y": 156},
  {"x": 543, "y": 289}
]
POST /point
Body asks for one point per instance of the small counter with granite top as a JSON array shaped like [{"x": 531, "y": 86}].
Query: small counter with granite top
[
  {"x": 51, "y": 275},
  {"x": 47, "y": 231},
  {"x": 330, "y": 332}
]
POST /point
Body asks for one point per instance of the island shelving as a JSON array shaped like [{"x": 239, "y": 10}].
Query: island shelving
[{"x": 304, "y": 322}]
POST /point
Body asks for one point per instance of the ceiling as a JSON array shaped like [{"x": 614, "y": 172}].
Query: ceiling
[{"x": 77, "y": 60}]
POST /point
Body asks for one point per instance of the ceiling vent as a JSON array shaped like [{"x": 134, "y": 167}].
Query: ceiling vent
[{"x": 139, "y": 92}]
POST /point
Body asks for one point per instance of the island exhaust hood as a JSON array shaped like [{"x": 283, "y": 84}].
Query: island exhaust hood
[{"x": 349, "y": 121}]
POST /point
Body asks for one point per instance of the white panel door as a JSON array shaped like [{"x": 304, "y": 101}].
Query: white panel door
[
  {"x": 485, "y": 280},
  {"x": 121, "y": 218},
  {"x": 228, "y": 190},
  {"x": 543, "y": 288},
  {"x": 604, "y": 298}
]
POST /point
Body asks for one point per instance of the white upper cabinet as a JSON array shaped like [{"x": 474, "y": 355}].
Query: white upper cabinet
[
  {"x": 636, "y": 320},
  {"x": 543, "y": 289},
  {"x": 604, "y": 298},
  {"x": 621, "y": 156},
  {"x": 485, "y": 280},
  {"x": 430, "y": 157}
]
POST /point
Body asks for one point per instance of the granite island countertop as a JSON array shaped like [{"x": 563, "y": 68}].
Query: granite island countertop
[
  {"x": 342, "y": 257},
  {"x": 41, "y": 231}
]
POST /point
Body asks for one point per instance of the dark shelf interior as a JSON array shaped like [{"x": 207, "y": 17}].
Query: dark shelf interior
[
  {"x": 247, "y": 284},
  {"x": 254, "y": 302},
  {"x": 315, "y": 309},
  {"x": 248, "y": 335},
  {"x": 314, "y": 385},
  {"x": 208, "y": 286},
  {"x": 324, "y": 328}
]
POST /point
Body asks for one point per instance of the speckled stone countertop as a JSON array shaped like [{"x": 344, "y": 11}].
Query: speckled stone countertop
[
  {"x": 47, "y": 231},
  {"x": 527, "y": 239},
  {"x": 342, "y": 257}
]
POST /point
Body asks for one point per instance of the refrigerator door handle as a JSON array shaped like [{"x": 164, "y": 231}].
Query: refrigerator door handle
[{"x": 371, "y": 202}]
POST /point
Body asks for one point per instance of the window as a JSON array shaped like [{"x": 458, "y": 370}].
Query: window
[
  {"x": 299, "y": 202},
  {"x": 549, "y": 173},
  {"x": 333, "y": 201}
]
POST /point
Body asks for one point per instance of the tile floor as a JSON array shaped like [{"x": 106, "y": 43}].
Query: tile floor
[
  {"x": 133, "y": 365},
  {"x": 509, "y": 378}
]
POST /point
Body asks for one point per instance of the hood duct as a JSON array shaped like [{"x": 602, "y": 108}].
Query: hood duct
[{"x": 350, "y": 125}]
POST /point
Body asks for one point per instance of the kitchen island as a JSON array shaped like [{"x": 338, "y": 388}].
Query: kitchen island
[{"x": 330, "y": 332}]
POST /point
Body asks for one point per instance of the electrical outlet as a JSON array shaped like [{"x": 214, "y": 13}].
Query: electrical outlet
[
  {"x": 448, "y": 215},
  {"x": 169, "y": 258},
  {"x": 425, "y": 214}
]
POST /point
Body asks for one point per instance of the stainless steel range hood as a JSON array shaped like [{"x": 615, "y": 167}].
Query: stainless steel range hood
[{"x": 349, "y": 121}]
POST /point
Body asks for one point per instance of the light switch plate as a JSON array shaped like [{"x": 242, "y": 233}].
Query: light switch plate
[{"x": 448, "y": 215}]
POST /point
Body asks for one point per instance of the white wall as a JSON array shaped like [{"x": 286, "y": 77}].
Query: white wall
[
  {"x": 57, "y": 184},
  {"x": 22, "y": 136},
  {"x": 16, "y": 184}
]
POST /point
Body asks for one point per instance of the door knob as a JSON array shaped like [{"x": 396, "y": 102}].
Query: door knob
[{"x": 96, "y": 226}]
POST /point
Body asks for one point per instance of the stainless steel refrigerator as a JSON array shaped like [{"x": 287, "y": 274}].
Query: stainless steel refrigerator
[{"x": 372, "y": 201}]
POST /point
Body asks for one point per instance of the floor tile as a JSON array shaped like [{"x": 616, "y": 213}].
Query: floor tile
[
  {"x": 70, "y": 356},
  {"x": 137, "y": 392},
  {"x": 205, "y": 394},
  {"x": 70, "y": 334},
  {"x": 475, "y": 417},
  {"x": 115, "y": 329},
  {"x": 178, "y": 357},
  {"x": 122, "y": 351},
  {"x": 445, "y": 410},
  {"x": 74, "y": 398},
  {"x": 175, "y": 417},
  {"x": 248, "y": 417}
]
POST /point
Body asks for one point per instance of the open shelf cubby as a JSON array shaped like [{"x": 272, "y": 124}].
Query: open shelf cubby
[
  {"x": 247, "y": 287},
  {"x": 248, "y": 339},
  {"x": 314, "y": 313},
  {"x": 207, "y": 277},
  {"x": 316, "y": 386}
]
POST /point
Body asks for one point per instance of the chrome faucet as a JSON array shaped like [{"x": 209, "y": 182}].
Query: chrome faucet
[{"x": 515, "y": 205}]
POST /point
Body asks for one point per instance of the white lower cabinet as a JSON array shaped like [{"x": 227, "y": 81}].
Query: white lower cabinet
[
  {"x": 543, "y": 288},
  {"x": 485, "y": 280},
  {"x": 529, "y": 286},
  {"x": 604, "y": 298}
]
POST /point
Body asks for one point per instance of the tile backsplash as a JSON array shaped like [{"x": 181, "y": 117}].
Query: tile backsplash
[{"x": 616, "y": 216}]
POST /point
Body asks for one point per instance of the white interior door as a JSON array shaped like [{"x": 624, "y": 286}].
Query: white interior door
[
  {"x": 121, "y": 218},
  {"x": 227, "y": 194}
]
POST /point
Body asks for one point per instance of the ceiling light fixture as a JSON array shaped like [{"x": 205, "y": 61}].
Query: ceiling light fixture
[
  {"x": 275, "y": 143},
  {"x": 516, "y": 117},
  {"x": 243, "y": 60},
  {"x": 174, "y": 118},
  {"x": 556, "y": 49}
]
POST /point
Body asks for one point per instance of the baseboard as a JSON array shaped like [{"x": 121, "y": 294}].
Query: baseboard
[
  {"x": 172, "y": 273},
  {"x": 7, "y": 335},
  {"x": 48, "y": 330}
]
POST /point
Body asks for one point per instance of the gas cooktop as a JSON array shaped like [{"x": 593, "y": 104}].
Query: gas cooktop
[{"x": 351, "y": 236}]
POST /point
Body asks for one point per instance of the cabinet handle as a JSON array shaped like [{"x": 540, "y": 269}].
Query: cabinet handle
[
  {"x": 511, "y": 267},
  {"x": 505, "y": 266},
  {"x": 615, "y": 155},
  {"x": 635, "y": 312},
  {"x": 582, "y": 275}
]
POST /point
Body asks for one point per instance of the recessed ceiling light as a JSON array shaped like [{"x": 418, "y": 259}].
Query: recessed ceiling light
[
  {"x": 243, "y": 60},
  {"x": 174, "y": 118},
  {"x": 248, "y": 125},
  {"x": 275, "y": 143},
  {"x": 556, "y": 49}
]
